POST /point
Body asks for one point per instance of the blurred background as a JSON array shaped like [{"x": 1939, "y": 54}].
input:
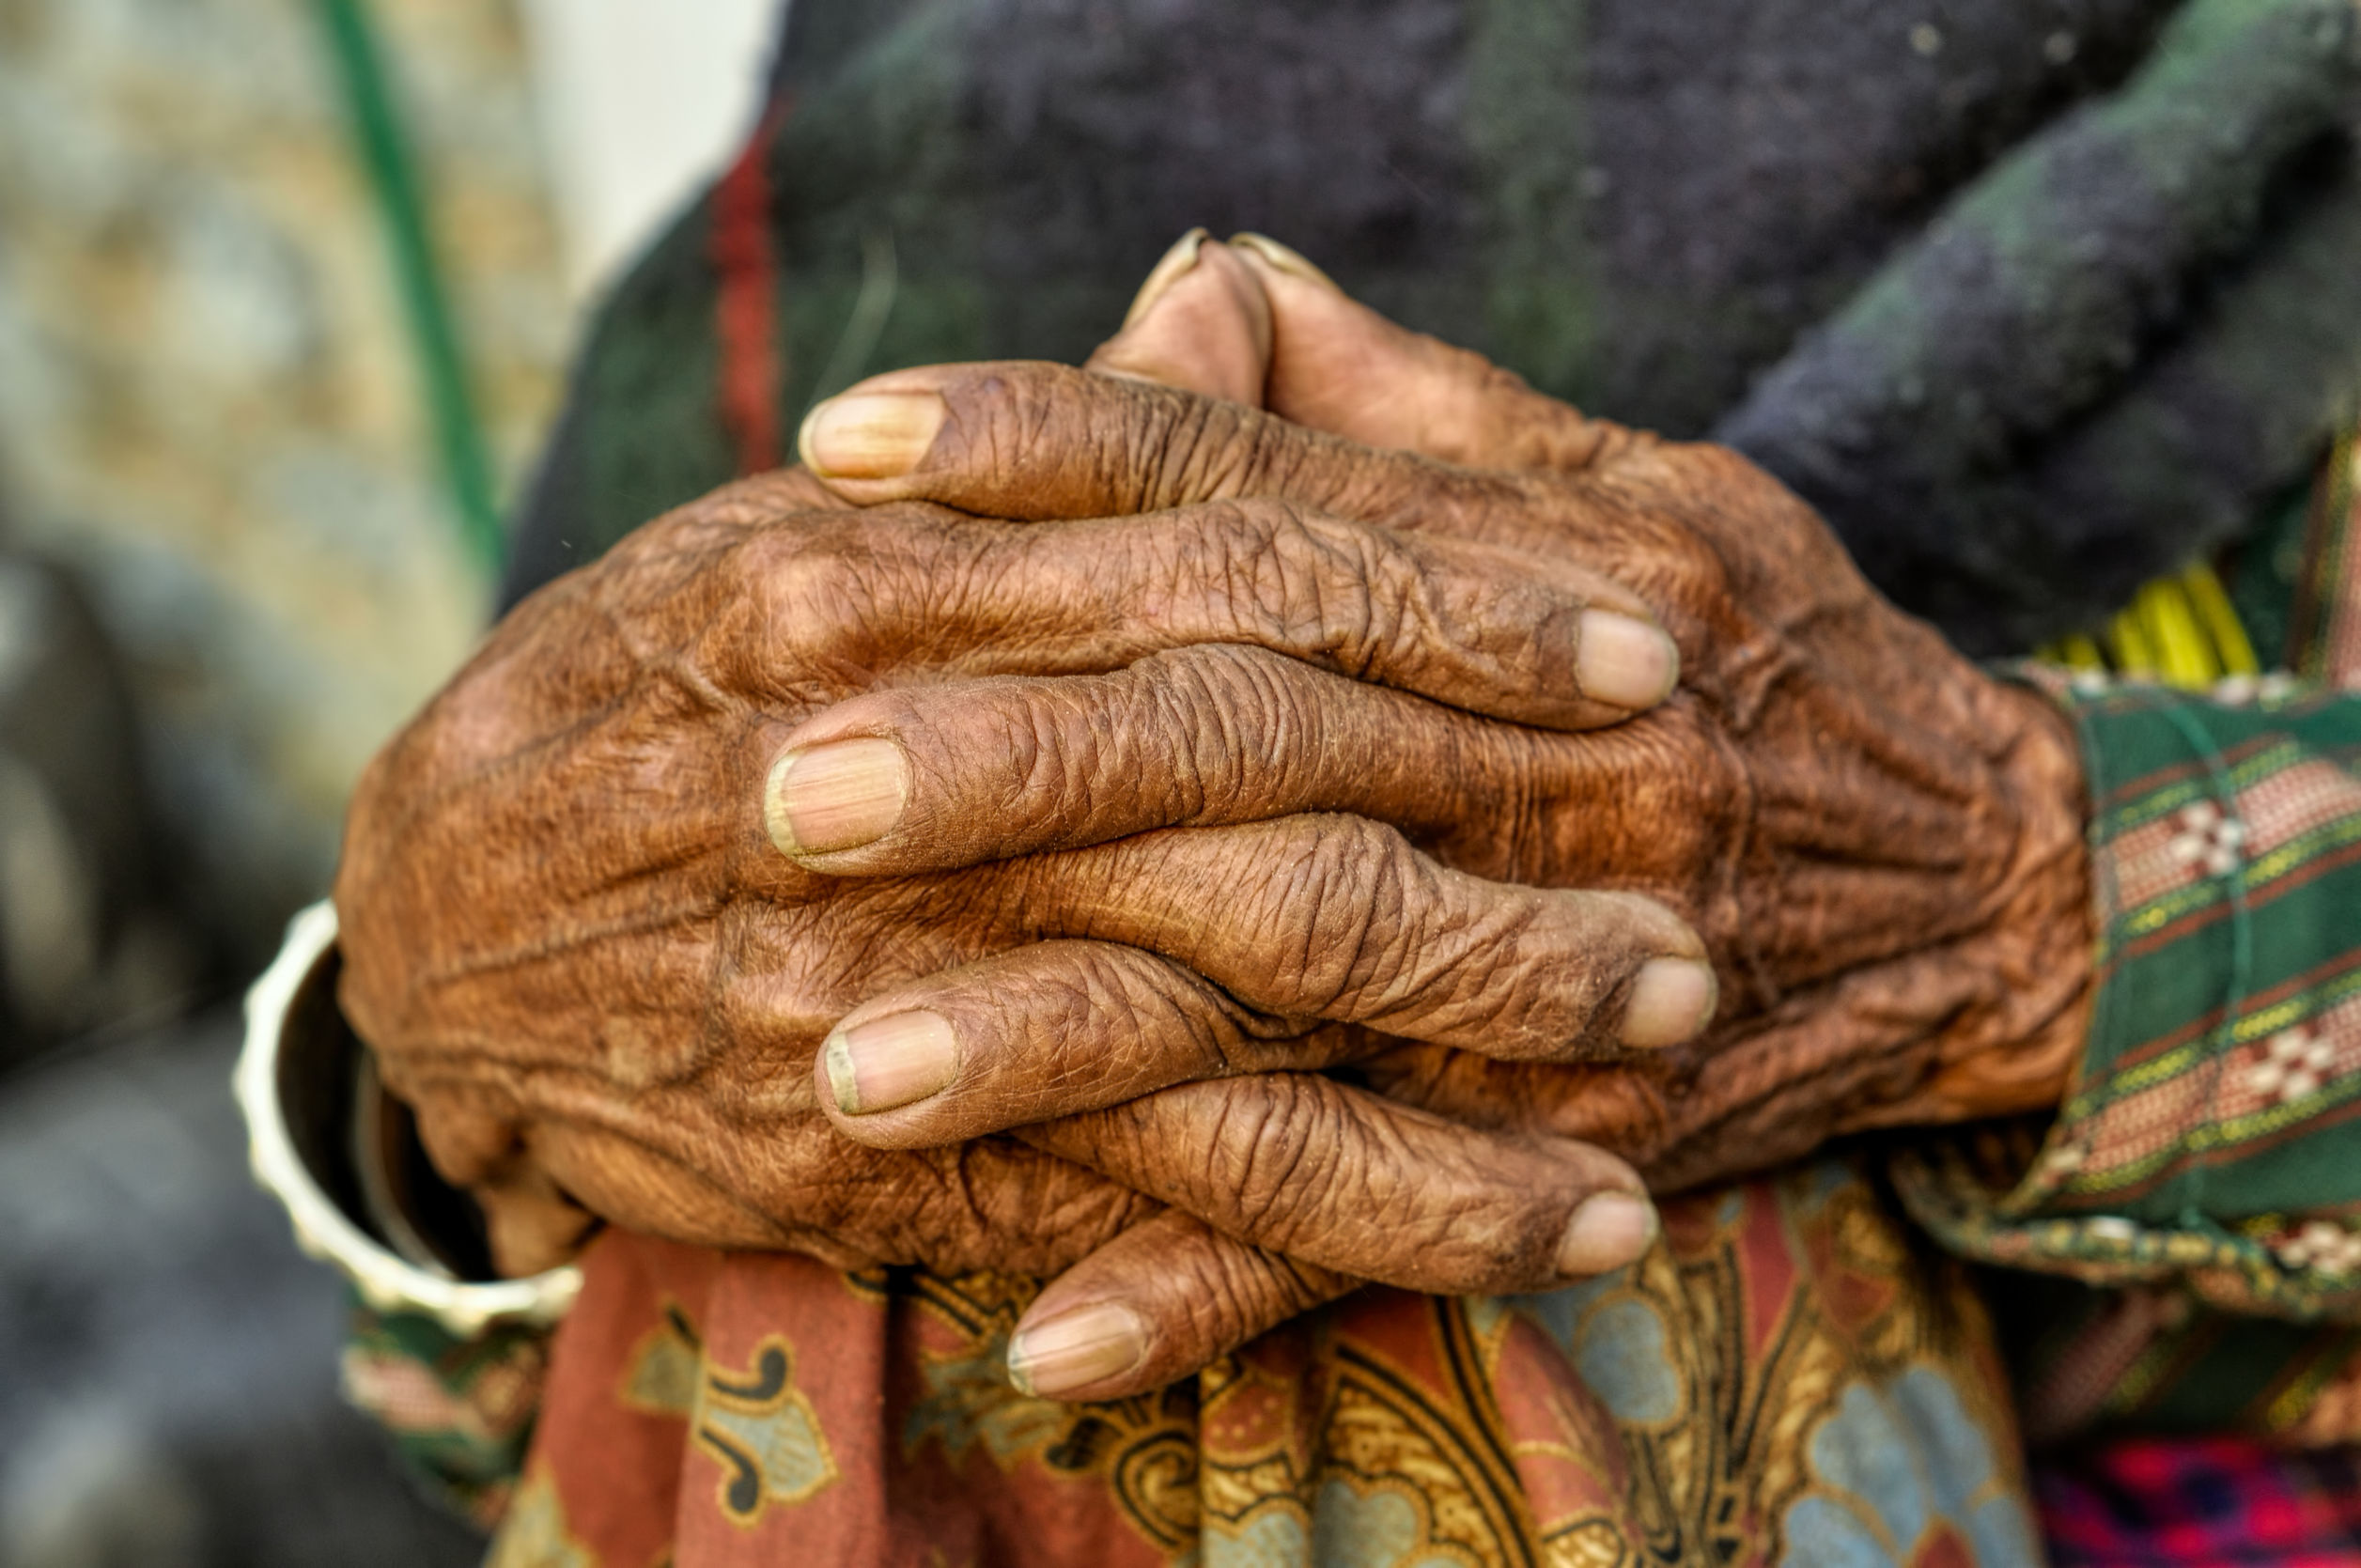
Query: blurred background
[{"x": 287, "y": 291}]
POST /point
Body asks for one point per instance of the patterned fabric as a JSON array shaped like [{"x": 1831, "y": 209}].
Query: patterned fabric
[
  {"x": 460, "y": 1411},
  {"x": 2216, "y": 1502},
  {"x": 1787, "y": 1378},
  {"x": 2205, "y": 1137}
]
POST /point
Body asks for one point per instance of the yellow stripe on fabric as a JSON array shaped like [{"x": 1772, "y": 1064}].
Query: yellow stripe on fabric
[
  {"x": 2181, "y": 630},
  {"x": 2133, "y": 655},
  {"x": 2219, "y": 618},
  {"x": 2078, "y": 652},
  {"x": 2183, "y": 655}
]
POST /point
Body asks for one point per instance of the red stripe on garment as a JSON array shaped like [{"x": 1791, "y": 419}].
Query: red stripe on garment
[{"x": 746, "y": 307}]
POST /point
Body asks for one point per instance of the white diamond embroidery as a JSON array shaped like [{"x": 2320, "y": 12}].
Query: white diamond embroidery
[
  {"x": 2322, "y": 1245},
  {"x": 2207, "y": 839},
  {"x": 2294, "y": 1064}
]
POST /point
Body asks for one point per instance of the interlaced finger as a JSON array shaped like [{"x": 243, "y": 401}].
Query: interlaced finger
[
  {"x": 1319, "y": 1171},
  {"x": 1460, "y": 622}
]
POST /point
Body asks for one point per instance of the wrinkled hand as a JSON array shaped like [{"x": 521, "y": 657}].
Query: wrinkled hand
[
  {"x": 1880, "y": 844},
  {"x": 573, "y": 946}
]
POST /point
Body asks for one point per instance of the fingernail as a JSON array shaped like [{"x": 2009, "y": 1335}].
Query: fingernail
[
  {"x": 1166, "y": 272},
  {"x": 1285, "y": 259},
  {"x": 1077, "y": 1349},
  {"x": 890, "y": 1062},
  {"x": 1609, "y": 1231},
  {"x": 870, "y": 435},
  {"x": 838, "y": 796},
  {"x": 1672, "y": 999},
  {"x": 1625, "y": 661}
]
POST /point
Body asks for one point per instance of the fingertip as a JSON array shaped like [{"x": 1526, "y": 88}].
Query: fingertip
[
  {"x": 1170, "y": 269},
  {"x": 876, "y": 434},
  {"x": 836, "y": 796},
  {"x": 1607, "y": 1231},
  {"x": 1070, "y": 1354},
  {"x": 1625, "y": 660},
  {"x": 1672, "y": 999},
  {"x": 1285, "y": 258},
  {"x": 1200, "y": 324},
  {"x": 886, "y": 1063}
]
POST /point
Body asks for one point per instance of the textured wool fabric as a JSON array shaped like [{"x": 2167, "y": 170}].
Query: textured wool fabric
[{"x": 2015, "y": 411}]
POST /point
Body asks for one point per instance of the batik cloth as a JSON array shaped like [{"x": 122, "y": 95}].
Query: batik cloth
[{"x": 1792, "y": 1375}]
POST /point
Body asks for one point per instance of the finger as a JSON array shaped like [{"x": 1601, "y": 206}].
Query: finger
[
  {"x": 1340, "y": 919},
  {"x": 1339, "y": 366},
  {"x": 1311, "y": 1168},
  {"x": 934, "y": 778},
  {"x": 1201, "y": 323},
  {"x": 1033, "y": 441},
  {"x": 1063, "y": 1027},
  {"x": 1166, "y": 1298},
  {"x": 1203, "y": 953},
  {"x": 1051, "y": 1029},
  {"x": 1461, "y": 622},
  {"x": 1048, "y": 443}
]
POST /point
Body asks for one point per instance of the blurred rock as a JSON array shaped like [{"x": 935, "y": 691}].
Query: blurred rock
[
  {"x": 167, "y": 1360},
  {"x": 207, "y": 397}
]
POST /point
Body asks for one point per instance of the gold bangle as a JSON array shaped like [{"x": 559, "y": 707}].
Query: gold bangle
[{"x": 289, "y": 998}]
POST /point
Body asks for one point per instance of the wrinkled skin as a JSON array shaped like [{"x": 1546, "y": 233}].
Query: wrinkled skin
[
  {"x": 578, "y": 956},
  {"x": 604, "y": 983},
  {"x": 1880, "y": 844}
]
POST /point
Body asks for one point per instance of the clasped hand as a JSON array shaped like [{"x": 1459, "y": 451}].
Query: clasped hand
[{"x": 1083, "y": 822}]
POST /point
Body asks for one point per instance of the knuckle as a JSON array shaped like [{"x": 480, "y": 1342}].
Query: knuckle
[
  {"x": 1346, "y": 886},
  {"x": 830, "y": 596},
  {"x": 1233, "y": 722},
  {"x": 1278, "y": 1155},
  {"x": 1324, "y": 589}
]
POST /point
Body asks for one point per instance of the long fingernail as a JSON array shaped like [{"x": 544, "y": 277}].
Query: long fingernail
[
  {"x": 1286, "y": 258},
  {"x": 1609, "y": 1230},
  {"x": 1077, "y": 1349},
  {"x": 838, "y": 796},
  {"x": 1625, "y": 661},
  {"x": 870, "y": 435},
  {"x": 1174, "y": 266},
  {"x": 890, "y": 1062},
  {"x": 1672, "y": 999}
]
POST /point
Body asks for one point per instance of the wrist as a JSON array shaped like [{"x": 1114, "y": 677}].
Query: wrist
[{"x": 2028, "y": 968}]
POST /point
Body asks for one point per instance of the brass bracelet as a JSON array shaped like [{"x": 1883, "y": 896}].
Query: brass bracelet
[{"x": 292, "y": 1030}]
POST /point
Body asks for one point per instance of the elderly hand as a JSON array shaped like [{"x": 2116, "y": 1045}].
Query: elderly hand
[
  {"x": 1880, "y": 844},
  {"x": 576, "y": 952}
]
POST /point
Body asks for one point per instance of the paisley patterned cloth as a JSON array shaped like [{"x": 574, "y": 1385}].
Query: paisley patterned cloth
[{"x": 1792, "y": 1376}]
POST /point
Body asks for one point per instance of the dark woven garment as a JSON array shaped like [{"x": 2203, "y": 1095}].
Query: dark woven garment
[
  {"x": 2015, "y": 414},
  {"x": 2217, "y": 1501}
]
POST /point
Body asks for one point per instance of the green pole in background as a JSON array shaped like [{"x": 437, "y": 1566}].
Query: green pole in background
[{"x": 443, "y": 375}]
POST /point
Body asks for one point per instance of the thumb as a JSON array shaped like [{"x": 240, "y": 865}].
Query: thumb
[
  {"x": 1200, "y": 323},
  {"x": 1164, "y": 1299},
  {"x": 1338, "y": 366}
]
